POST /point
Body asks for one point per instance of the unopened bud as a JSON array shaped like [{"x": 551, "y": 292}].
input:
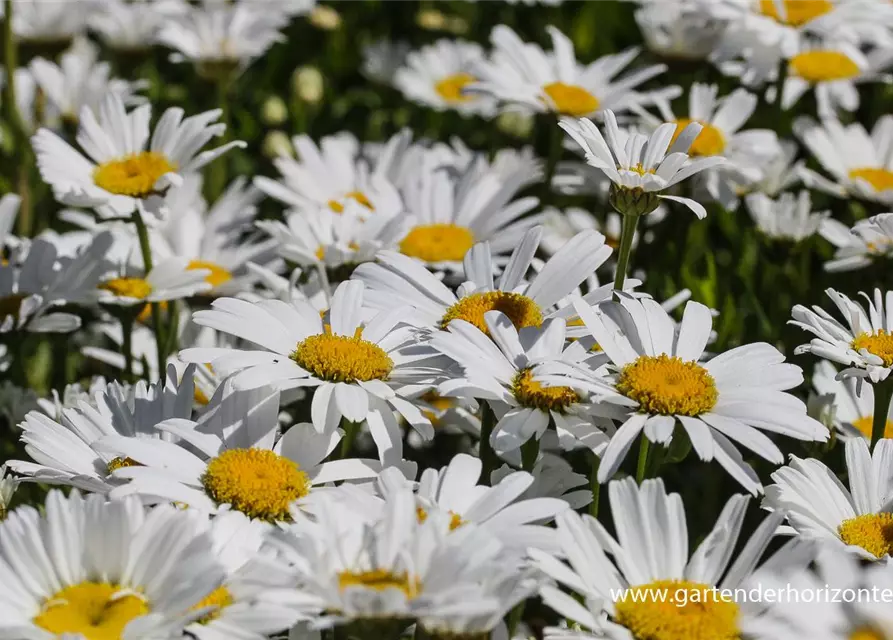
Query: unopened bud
[{"x": 632, "y": 202}]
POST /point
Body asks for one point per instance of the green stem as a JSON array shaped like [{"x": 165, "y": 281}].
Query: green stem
[
  {"x": 594, "y": 486},
  {"x": 350, "y": 435},
  {"x": 627, "y": 233},
  {"x": 642, "y": 467},
  {"x": 486, "y": 453},
  {"x": 779, "y": 89},
  {"x": 217, "y": 172},
  {"x": 127, "y": 344},
  {"x": 530, "y": 451},
  {"x": 157, "y": 324},
  {"x": 883, "y": 392},
  {"x": 655, "y": 461},
  {"x": 556, "y": 138},
  {"x": 515, "y": 617}
]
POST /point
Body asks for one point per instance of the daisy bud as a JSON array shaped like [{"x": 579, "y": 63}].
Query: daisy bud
[
  {"x": 308, "y": 84},
  {"x": 274, "y": 111}
]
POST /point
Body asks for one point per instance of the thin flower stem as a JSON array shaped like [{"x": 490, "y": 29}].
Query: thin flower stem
[
  {"x": 530, "y": 451},
  {"x": 556, "y": 138},
  {"x": 883, "y": 392},
  {"x": 642, "y": 466},
  {"x": 217, "y": 173},
  {"x": 127, "y": 344},
  {"x": 514, "y": 618},
  {"x": 627, "y": 233},
  {"x": 486, "y": 453},
  {"x": 594, "y": 485},
  {"x": 350, "y": 435},
  {"x": 157, "y": 323}
]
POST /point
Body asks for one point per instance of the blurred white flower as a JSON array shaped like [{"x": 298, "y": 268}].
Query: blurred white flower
[
  {"x": 857, "y": 247},
  {"x": 787, "y": 218}
]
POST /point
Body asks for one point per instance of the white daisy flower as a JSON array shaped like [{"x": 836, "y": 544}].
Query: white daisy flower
[
  {"x": 787, "y": 218},
  {"x": 651, "y": 587},
  {"x": 398, "y": 279},
  {"x": 640, "y": 168},
  {"x": 334, "y": 172},
  {"x": 499, "y": 509},
  {"x": 677, "y": 30},
  {"x": 818, "y": 506},
  {"x": 133, "y": 25},
  {"x": 379, "y": 572},
  {"x": 873, "y": 619},
  {"x": 860, "y": 164},
  {"x": 863, "y": 341},
  {"x": 245, "y": 605},
  {"x": 212, "y": 238},
  {"x": 660, "y": 372},
  {"x": 121, "y": 175},
  {"x": 232, "y": 459},
  {"x": 81, "y": 80},
  {"x": 780, "y": 174},
  {"x": 171, "y": 279},
  {"x": 70, "y": 397},
  {"x": 50, "y": 25},
  {"x": 553, "y": 477},
  {"x": 437, "y": 74},
  {"x": 504, "y": 367},
  {"x": 324, "y": 238},
  {"x": 453, "y": 211},
  {"x": 36, "y": 278},
  {"x": 833, "y": 70},
  {"x": 722, "y": 119},
  {"x": 853, "y": 408},
  {"x": 223, "y": 36},
  {"x": 382, "y": 59},
  {"x": 522, "y": 75},
  {"x": 867, "y": 242},
  {"x": 360, "y": 370},
  {"x": 65, "y": 451},
  {"x": 87, "y": 568}
]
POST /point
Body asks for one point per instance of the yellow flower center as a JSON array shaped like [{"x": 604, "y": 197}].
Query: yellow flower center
[
  {"x": 521, "y": 310},
  {"x": 667, "y": 385},
  {"x": 530, "y": 393},
  {"x": 128, "y": 287},
  {"x": 145, "y": 314},
  {"x": 796, "y": 12},
  {"x": 677, "y": 610},
  {"x": 879, "y": 343},
  {"x": 438, "y": 404},
  {"x": 864, "y": 425},
  {"x": 451, "y": 87},
  {"x": 120, "y": 463},
  {"x": 134, "y": 175},
  {"x": 259, "y": 483},
  {"x": 218, "y": 275},
  {"x": 570, "y": 99},
  {"x": 710, "y": 142},
  {"x": 879, "y": 179},
  {"x": 220, "y": 598},
  {"x": 11, "y": 305},
  {"x": 359, "y": 196},
  {"x": 93, "y": 610},
  {"x": 866, "y": 633},
  {"x": 437, "y": 242},
  {"x": 872, "y": 531},
  {"x": 200, "y": 397},
  {"x": 342, "y": 359},
  {"x": 380, "y": 580},
  {"x": 456, "y": 520},
  {"x": 824, "y": 66}
]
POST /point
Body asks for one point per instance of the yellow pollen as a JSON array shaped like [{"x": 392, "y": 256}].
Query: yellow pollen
[
  {"x": 710, "y": 142},
  {"x": 677, "y": 610},
  {"x": 134, "y": 175},
  {"x": 866, "y": 633},
  {"x": 451, "y": 87},
  {"x": 342, "y": 359},
  {"x": 11, "y": 305},
  {"x": 220, "y": 598},
  {"x": 570, "y": 99},
  {"x": 879, "y": 179},
  {"x": 218, "y": 275},
  {"x": 380, "y": 580},
  {"x": 456, "y": 520},
  {"x": 437, "y": 242},
  {"x": 359, "y": 196},
  {"x": 872, "y": 531},
  {"x": 259, "y": 483},
  {"x": 667, "y": 385},
  {"x": 530, "y": 393},
  {"x": 879, "y": 343},
  {"x": 864, "y": 425},
  {"x": 119, "y": 463},
  {"x": 824, "y": 66},
  {"x": 521, "y": 310},
  {"x": 93, "y": 610},
  {"x": 128, "y": 287},
  {"x": 796, "y": 12}
]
